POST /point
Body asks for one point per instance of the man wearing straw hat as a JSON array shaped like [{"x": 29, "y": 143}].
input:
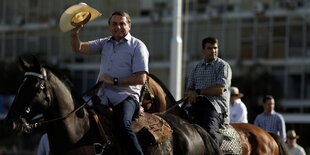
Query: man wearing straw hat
[
  {"x": 292, "y": 145},
  {"x": 123, "y": 70},
  {"x": 237, "y": 110}
]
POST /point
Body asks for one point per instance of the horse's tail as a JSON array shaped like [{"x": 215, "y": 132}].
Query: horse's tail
[
  {"x": 211, "y": 146},
  {"x": 281, "y": 145}
]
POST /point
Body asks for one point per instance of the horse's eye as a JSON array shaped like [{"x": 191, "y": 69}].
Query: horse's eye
[
  {"x": 27, "y": 110},
  {"x": 42, "y": 86}
]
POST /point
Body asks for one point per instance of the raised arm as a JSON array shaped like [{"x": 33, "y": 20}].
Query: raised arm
[{"x": 76, "y": 44}]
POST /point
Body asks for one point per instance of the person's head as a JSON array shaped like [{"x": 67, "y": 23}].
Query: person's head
[
  {"x": 119, "y": 24},
  {"x": 210, "y": 48},
  {"x": 291, "y": 137},
  {"x": 235, "y": 94},
  {"x": 268, "y": 103}
]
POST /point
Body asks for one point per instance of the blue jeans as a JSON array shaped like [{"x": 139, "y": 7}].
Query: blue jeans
[
  {"x": 124, "y": 113},
  {"x": 205, "y": 115}
]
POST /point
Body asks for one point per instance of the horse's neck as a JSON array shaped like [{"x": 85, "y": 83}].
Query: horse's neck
[
  {"x": 159, "y": 94},
  {"x": 73, "y": 127}
]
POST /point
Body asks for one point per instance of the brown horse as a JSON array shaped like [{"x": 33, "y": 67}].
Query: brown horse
[
  {"x": 257, "y": 141},
  {"x": 158, "y": 98},
  {"x": 154, "y": 98},
  {"x": 254, "y": 140}
]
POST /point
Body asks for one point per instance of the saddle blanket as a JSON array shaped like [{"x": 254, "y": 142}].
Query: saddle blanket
[{"x": 231, "y": 143}]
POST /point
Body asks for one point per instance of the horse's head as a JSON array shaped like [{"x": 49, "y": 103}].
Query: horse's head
[{"x": 32, "y": 98}]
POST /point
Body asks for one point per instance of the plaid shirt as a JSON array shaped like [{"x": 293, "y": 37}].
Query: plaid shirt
[
  {"x": 205, "y": 75},
  {"x": 273, "y": 122}
]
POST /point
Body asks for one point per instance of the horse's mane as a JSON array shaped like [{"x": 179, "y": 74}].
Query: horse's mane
[
  {"x": 60, "y": 75},
  {"x": 77, "y": 97}
]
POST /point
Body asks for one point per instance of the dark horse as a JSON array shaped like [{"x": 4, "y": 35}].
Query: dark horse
[
  {"x": 72, "y": 130},
  {"x": 254, "y": 140}
]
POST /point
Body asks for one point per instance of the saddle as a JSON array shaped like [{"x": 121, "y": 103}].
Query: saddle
[{"x": 149, "y": 128}]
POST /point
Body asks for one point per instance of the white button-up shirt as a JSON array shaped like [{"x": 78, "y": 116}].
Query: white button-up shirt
[{"x": 238, "y": 112}]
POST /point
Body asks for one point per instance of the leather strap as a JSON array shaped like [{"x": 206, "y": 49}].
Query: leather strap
[{"x": 101, "y": 130}]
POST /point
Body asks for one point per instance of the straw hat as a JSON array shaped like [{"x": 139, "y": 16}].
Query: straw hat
[
  {"x": 292, "y": 134},
  {"x": 77, "y": 15},
  {"x": 235, "y": 91}
]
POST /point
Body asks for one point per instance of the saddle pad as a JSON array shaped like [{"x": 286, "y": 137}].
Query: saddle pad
[{"x": 231, "y": 143}]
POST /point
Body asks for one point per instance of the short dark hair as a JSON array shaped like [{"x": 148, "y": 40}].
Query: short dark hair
[
  {"x": 123, "y": 14},
  {"x": 211, "y": 40},
  {"x": 267, "y": 97}
]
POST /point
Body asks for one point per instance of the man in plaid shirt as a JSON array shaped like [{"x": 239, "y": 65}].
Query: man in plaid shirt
[{"x": 208, "y": 90}]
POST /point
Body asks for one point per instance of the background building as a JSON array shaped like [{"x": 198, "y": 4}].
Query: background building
[{"x": 267, "y": 42}]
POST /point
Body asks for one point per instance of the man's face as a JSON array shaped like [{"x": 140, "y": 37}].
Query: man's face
[
  {"x": 233, "y": 98},
  {"x": 210, "y": 51},
  {"x": 269, "y": 105},
  {"x": 119, "y": 27},
  {"x": 291, "y": 141}
]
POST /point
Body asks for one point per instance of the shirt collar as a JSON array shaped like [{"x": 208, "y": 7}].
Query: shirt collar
[
  {"x": 126, "y": 38},
  {"x": 203, "y": 62},
  {"x": 272, "y": 112}
]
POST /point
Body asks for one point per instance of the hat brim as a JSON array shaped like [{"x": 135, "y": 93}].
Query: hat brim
[
  {"x": 296, "y": 137},
  {"x": 65, "y": 22},
  {"x": 238, "y": 95}
]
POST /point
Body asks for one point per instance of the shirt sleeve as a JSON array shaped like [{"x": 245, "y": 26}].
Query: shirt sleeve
[
  {"x": 282, "y": 129},
  {"x": 224, "y": 75},
  {"x": 140, "y": 59},
  {"x": 96, "y": 46},
  {"x": 190, "y": 81},
  {"x": 244, "y": 114}
]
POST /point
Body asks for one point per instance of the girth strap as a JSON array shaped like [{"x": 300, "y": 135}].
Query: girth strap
[{"x": 101, "y": 130}]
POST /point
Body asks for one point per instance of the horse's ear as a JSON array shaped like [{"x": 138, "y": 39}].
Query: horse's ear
[
  {"x": 24, "y": 64},
  {"x": 35, "y": 61}
]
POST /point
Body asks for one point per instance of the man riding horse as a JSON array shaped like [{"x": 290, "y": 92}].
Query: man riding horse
[
  {"x": 123, "y": 70},
  {"x": 208, "y": 90}
]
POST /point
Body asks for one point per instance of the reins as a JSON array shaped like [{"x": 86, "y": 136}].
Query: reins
[
  {"x": 175, "y": 105},
  {"x": 37, "y": 124}
]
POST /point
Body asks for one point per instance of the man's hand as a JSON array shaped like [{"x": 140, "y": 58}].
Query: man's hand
[
  {"x": 141, "y": 111},
  {"x": 191, "y": 96},
  {"x": 76, "y": 30}
]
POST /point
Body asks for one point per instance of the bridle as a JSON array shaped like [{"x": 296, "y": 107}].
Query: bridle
[
  {"x": 28, "y": 127},
  {"x": 43, "y": 87}
]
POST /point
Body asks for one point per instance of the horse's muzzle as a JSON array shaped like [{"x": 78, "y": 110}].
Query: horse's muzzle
[{"x": 12, "y": 126}]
